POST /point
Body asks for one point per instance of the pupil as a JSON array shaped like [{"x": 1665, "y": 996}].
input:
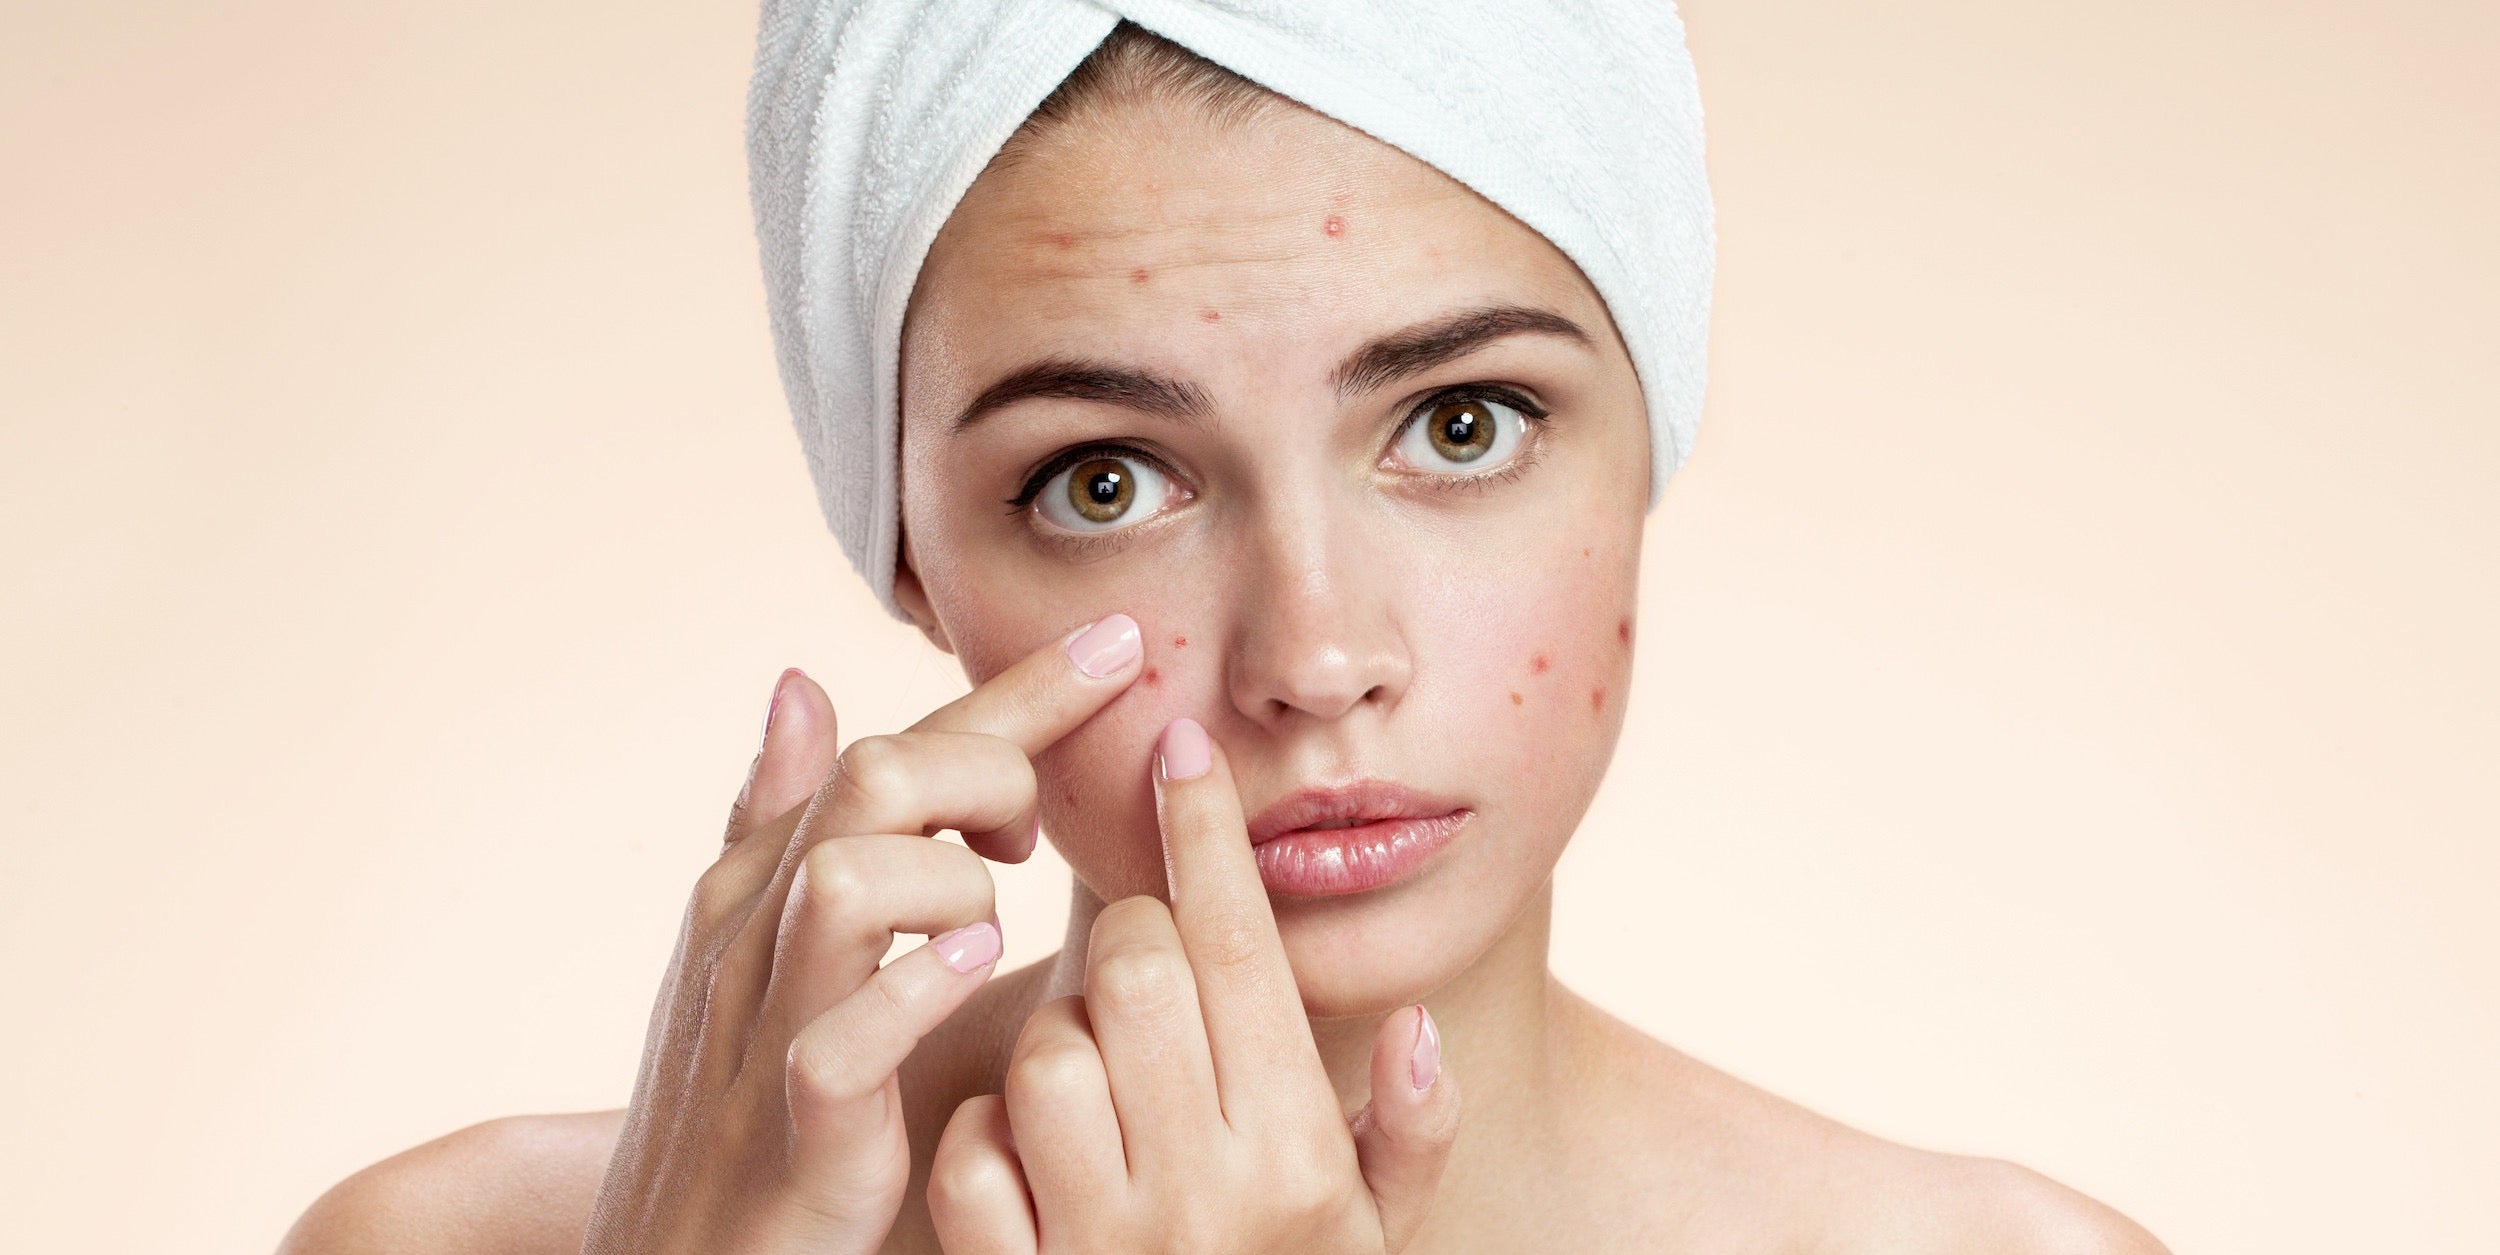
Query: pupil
[{"x": 1104, "y": 487}]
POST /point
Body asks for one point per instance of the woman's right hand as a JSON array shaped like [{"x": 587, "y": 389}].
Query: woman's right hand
[{"x": 766, "y": 1116}]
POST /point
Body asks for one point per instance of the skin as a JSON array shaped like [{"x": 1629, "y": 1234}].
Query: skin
[{"x": 1327, "y": 607}]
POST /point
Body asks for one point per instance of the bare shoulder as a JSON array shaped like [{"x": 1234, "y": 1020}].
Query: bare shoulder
[
  {"x": 1952, "y": 1203},
  {"x": 1759, "y": 1172},
  {"x": 521, "y": 1184}
]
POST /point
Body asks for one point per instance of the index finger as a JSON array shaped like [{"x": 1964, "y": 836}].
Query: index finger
[
  {"x": 1047, "y": 693},
  {"x": 1246, "y": 989}
]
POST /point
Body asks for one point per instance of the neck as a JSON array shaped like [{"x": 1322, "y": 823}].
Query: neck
[{"x": 1495, "y": 1018}]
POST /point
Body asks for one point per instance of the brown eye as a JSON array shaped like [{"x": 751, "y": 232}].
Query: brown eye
[
  {"x": 1104, "y": 492},
  {"x": 1461, "y": 431},
  {"x": 1101, "y": 489},
  {"x": 1473, "y": 434}
]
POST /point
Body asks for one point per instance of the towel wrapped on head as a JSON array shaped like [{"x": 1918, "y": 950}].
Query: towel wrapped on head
[{"x": 868, "y": 119}]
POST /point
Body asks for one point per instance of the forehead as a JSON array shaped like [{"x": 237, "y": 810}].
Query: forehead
[{"x": 1151, "y": 233}]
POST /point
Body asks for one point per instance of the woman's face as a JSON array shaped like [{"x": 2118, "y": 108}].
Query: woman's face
[{"x": 1361, "y": 453}]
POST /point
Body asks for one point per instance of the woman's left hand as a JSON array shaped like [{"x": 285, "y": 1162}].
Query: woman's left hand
[{"x": 1180, "y": 1104}]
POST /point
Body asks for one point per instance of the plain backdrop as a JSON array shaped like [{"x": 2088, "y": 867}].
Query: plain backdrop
[{"x": 2065, "y": 717}]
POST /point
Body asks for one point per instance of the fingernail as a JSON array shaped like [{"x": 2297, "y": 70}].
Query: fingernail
[
  {"x": 1425, "y": 1066},
  {"x": 969, "y": 948},
  {"x": 1036, "y": 839},
  {"x": 1112, "y": 643},
  {"x": 779, "y": 687},
  {"x": 1183, "y": 753}
]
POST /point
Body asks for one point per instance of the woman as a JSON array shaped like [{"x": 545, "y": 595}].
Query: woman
[{"x": 1281, "y": 495}]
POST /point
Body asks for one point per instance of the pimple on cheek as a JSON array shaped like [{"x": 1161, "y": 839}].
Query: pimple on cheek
[
  {"x": 1623, "y": 630},
  {"x": 1139, "y": 275},
  {"x": 1334, "y": 225},
  {"x": 1538, "y": 665},
  {"x": 1153, "y": 677},
  {"x": 1597, "y": 698},
  {"x": 1180, "y": 642},
  {"x": 1208, "y": 315}
]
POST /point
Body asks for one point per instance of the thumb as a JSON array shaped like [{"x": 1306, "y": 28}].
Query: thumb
[{"x": 1403, "y": 1137}]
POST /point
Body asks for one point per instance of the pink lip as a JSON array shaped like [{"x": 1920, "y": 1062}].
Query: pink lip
[{"x": 1395, "y": 831}]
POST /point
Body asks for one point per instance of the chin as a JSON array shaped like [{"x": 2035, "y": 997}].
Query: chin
[{"x": 1369, "y": 953}]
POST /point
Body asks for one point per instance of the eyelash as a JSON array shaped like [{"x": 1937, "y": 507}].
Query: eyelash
[{"x": 1534, "y": 415}]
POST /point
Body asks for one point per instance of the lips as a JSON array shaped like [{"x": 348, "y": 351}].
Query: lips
[{"x": 1328, "y": 842}]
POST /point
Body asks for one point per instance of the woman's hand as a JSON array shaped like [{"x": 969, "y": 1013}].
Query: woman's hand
[
  {"x": 1180, "y": 1104},
  {"x": 766, "y": 1116}
]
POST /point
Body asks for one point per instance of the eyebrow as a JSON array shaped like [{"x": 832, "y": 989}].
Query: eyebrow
[{"x": 1382, "y": 361}]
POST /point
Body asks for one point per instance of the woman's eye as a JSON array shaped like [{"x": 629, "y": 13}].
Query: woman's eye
[
  {"x": 1462, "y": 434},
  {"x": 1102, "y": 493}
]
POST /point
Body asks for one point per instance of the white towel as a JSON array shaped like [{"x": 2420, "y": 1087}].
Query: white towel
[{"x": 868, "y": 119}]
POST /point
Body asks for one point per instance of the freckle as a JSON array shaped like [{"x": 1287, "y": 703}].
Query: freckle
[
  {"x": 1208, "y": 315},
  {"x": 1516, "y": 699},
  {"x": 1334, "y": 225},
  {"x": 1597, "y": 698},
  {"x": 1584, "y": 553},
  {"x": 1180, "y": 642},
  {"x": 1153, "y": 676},
  {"x": 1623, "y": 631},
  {"x": 1538, "y": 665},
  {"x": 1139, "y": 275}
]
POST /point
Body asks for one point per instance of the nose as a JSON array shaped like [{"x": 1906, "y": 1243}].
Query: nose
[{"x": 1317, "y": 633}]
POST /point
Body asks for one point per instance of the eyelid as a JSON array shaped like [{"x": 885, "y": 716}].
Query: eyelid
[{"x": 1534, "y": 417}]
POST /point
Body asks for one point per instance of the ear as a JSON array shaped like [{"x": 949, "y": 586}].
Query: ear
[{"x": 915, "y": 600}]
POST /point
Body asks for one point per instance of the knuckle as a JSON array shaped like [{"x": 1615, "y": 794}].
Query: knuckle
[
  {"x": 961, "y": 1175},
  {"x": 1230, "y": 941},
  {"x": 875, "y": 769},
  {"x": 1138, "y": 981},
  {"x": 1049, "y": 1072},
  {"x": 719, "y": 899},
  {"x": 819, "y": 1071},
  {"x": 831, "y": 893}
]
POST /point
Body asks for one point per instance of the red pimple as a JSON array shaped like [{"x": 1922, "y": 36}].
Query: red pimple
[
  {"x": 1153, "y": 676},
  {"x": 1179, "y": 642},
  {"x": 1208, "y": 315},
  {"x": 1538, "y": 665},
  {"x": 1139, "y": 275},
  {"x": 1334, "y": 225},
  {"x": 1597, "y": 698},
  {"x": 1068, "y": 792},
  {"x": 1623, "y": 631}
]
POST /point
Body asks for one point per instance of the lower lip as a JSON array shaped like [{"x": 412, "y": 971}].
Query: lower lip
[{"x": 1332, "y": 862}]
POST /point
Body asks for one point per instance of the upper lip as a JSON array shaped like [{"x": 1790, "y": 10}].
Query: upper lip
[{"x": 1360, "y": 800}]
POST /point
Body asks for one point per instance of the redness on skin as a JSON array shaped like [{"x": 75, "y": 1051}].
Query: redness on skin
[
  {"x": 1180, "y": 642},
  {"x": 1153, "y": 676},
  {"x": 1063, "y": 239},
  {"x": 1067, "y": 793},
  {"x": 1139, "y": 275},
  {"x": 1334, "y": 225},
  {"x": 1597, "y": 698},
  {"x": 1208, "y": 315},
  {"x": 1538, "y": 665},
  {"x": 1623, "y": 630}
]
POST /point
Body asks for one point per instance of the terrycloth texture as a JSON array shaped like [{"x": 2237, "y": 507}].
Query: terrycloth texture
[{"x": 867, "y": 120}]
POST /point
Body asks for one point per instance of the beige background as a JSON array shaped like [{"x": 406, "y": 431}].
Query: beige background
[{"x": 2065, "y": 723}]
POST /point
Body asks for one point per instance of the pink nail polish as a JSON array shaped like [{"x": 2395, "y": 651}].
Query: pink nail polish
[
  {"x": 1103, "y": 649},
  {"x": 1425, "y": 1066},
  {"x": 774, "y": 707},
  {"x": 1184, "y": 753},
  {"x": 969, "y": 948}
]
